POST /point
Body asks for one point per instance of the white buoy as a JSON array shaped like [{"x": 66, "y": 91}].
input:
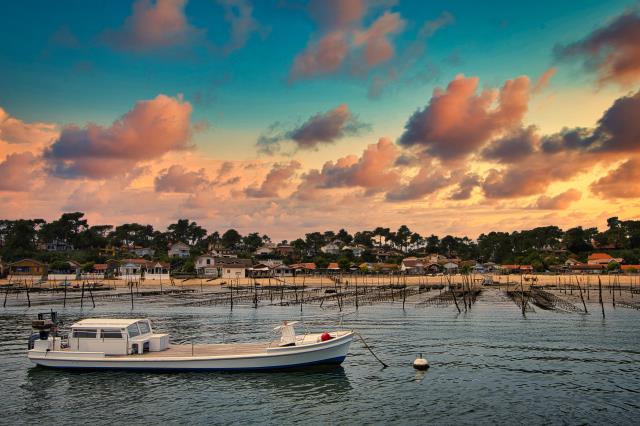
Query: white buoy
[{"x": 420, "y": 363}]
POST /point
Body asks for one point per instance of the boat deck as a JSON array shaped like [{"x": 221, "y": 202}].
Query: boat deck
[{"x": 203, "y": 350}]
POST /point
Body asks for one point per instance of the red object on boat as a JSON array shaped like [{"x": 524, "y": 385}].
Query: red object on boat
[{"x": 325, "y": 336}]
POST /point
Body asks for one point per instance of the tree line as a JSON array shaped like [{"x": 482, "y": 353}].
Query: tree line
[{"x": 540, "y": 246}]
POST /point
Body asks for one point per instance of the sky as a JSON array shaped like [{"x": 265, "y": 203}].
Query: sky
[{"x": 285, "y": 117}]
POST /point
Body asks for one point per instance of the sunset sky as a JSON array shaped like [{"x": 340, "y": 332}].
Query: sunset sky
[{"x": 285, "y": 117}]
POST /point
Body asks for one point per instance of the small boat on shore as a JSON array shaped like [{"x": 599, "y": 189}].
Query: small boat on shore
[{"x": 132, "y": 344}]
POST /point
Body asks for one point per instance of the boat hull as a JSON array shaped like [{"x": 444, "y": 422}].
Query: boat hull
[{"x": 332, "y": 352}]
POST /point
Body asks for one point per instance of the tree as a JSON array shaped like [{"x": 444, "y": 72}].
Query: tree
[
  {"x": 344, "y": 263},
  {"x": 252, "y": 241},
  {"x": 578, "y": 240},
  {"x": 189, "y": 232},
  {"x": 231, "y": 239},
  {"x": 344, "y": 236},
  {"x": 402, "y": 237}
]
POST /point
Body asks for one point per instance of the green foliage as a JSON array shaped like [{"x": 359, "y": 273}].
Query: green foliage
[{"x": 231, "y": 238}]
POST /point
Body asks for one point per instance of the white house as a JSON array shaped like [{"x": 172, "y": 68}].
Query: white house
[
  {"x": 206, "y": 266},
  {"x": 267, "y": 248},
  {"x": 331, "y": 248},
  {"x": 179, "y": 249},
  {"x": 143, "y": 251},
  {"x": 234, "y": 268},
  {"x": 357, "y": 249},
  {"x": 223, "y": 253},
  {"x": 132, "y": 267},
  {"x": 157, "y": 270}
]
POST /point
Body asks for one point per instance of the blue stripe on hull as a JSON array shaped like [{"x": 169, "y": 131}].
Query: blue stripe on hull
[{"x": 331, "y": 361}]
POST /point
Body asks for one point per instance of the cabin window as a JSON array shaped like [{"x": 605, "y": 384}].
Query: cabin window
[
  {"x": 144, "y": 327},
  {"x": 111, "y": 333},
  {"x": 133, "y": 330},
  {"x": 85, "y": 333}
]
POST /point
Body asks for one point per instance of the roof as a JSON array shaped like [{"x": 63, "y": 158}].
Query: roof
[
  {"x": 106, "y": 322},
  {"x": 596, "y": 256},
  {"x": 229, "y": 262},
  {"x": 310, "y": 265},
  {"x": 630, "y": 267},
  {"x": 333, "y": 265},
  {"x": 100, "y": 266},
  {"x": 586, "y": 266},
  {"x": 27, "y": 260},
  {"x": 135, "y": 261}
]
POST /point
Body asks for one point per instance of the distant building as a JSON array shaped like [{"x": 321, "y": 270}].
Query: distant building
[
  {"x": 602, "y": 259},
  {"x": 303, "y": 268},
  {"x": 234, "y": 268},
  {"x": 284, "y": 250},
  {"x": 179, "y": 249},
  {"x": 267, "y": 248},
  {"x": 331, "y": 248},
  {"x": 206, "y": 266},
  {"x": 412, "y": 265},
  {"x": 357, "y": 249},
  {"x": 132, "y": 267},
  {"x": 143, "y": 251},
  {"x": 58, "y": 246},
  {"x": 221, "y": 252},
  {"x": 27, "y": 267},
  {"x": 630, "y": 269}
]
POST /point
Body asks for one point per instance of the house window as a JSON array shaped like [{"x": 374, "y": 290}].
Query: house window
[{"x": 208, "y": 261}]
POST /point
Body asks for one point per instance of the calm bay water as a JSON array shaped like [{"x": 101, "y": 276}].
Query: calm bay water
[{"x": 487, "y": 366}]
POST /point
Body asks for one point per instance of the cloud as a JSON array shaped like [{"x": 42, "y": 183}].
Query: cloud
[
  {"x": 239, "y": 15},
  {"x": 278, "y": 178},
  {"x": 617, "y": 131},
  {"x": 543, "y": 82},
  {"x": 18, "y": 171},
  {"x": 375, "y": 44},
  {"x": 409, "y": 57},
  {"x": 337, "y": 13},
  {"x": 612, "y": 51},
  {"x": 177, "y": 179},
  {"x": 342, "y": 37},
  {"x": 153, "y": 26},
  {"x": 513, "y": 147},
  {"x": 374, "y": 171},
  {"x": 465, "y": 187},
  {"x": 16, "y": 131},
  {"x": 561, "y": 201},
  {"x": 322, "y": 128},
  {"x": 151, "y": 129},
  {"x": 457, "y": 121},
  {"x": 623, "y": 182},
  {"x": 427, "y": 181},
  {"x": 322, "y": 57}
]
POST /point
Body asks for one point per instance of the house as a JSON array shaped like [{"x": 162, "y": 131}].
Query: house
[
  {"x": 222, "y": 252},
  {"x": 143, "y": 251},
  {"x": 331, "y": 248},
  {"x": 357, "y": 250},
  {"x": 179, "y": 249},
  {"x": 478, "y": 268},
  {"x": 516, "y": 269},
  {"x": 281, "y": 270},
  {"x": 333, "y": 267},
  {"x": 284, "y": 250},
  {"x": 27, "y": 267},
  {"x": 266, "y": 249},
  {"x": 450, "y": 267},
  {"x": 132, "y": 267},
  {"x": 234, "y": 268},
  {"x": 601, "y": 259},
  {"x": 412, "y": 265},
  {"x": 157, "y": 270},
  {"x": 587, "y": 268},
  {"x": 206, "y": 266},
  {"x": 630, "y": 269},
  {"x": 490, "y": 267},
  {"x": 108, "y": 251},
  {"x": 571, "y": 262},
  {"x": 99, "y": 268},
  {"x": 303, "y": 268},
  {"x": 57, "y": 246}
]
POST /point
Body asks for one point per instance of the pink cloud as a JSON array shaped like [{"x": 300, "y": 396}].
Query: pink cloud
[
  {"x": 16, "y": 131},
  {"x": 18, "y": 171},
  {"x": 561, "y": 201},
  {"x": 457, "y": 121},
  {"x": 177, "y": 179},
  {"x": 622, "y": 182},
  {"x": 374, "y": 171},
  {"x": 239, "y": 15},
  {"x": 151, "y": 129},
  {"x": 278, "y": 178},
  {"x": 428, "y": 181},
  {"x": 153, "y": 26},
  {"x": 612, "y": 51},
  {"x": 375, "y": 40},
  {"x": 322, "y": 57},
  {"x": 543, "y": 82},
  {"x": 337, "y": 13}
]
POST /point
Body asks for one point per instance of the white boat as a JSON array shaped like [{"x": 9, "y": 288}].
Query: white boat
[{"x": 132, "y": 344}]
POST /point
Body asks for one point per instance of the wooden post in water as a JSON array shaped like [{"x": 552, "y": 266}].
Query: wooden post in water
[
  {"x": 6, "y": 293},
  {"x": 91, "y": 294},
  {"x": 613, "y": 293},
  {"x": 600, "y": 295},
  {"x": 82, "y": 295},
  {"x": 581, "y": 298},
  {"x": 404, "y": 295},
  {"x": 455, "y": 299},
  {"x": 356, "y": 295},
  {"x": 131, "y": 292}
]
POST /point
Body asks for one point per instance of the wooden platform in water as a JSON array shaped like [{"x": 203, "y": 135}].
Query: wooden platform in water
[{"x": 205, "y": 350}]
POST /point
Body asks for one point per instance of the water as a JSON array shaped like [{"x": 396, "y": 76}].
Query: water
[{"x": 487, "y": 366}]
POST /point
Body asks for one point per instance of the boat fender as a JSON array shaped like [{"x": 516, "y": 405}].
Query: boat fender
[{"x": 325, "y": 336}]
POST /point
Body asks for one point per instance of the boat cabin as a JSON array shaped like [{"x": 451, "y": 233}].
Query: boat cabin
[{"x": 116, "y": 336}]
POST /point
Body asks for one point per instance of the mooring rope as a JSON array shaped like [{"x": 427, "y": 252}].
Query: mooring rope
[{"x": 370, "y": 350}]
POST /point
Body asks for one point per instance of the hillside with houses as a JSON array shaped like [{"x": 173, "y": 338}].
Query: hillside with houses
[{"x": 71, "y": 248}]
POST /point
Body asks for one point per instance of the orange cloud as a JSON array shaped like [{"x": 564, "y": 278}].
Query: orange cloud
[
  {"x": 457, "y": 121},
  {"x": 623, "y": 182},
  {"x": 278, "y": 178},
  {"x": 177, "y": 179},
  {"x": 18, "y": 171},
  {"x": 561, "y": 201},
  {"x": 153, "y": 26},
  {"x": 375, "y": 40},
  {"x": 151, "y": 129},
  {"x": 16, "y": 131}
]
